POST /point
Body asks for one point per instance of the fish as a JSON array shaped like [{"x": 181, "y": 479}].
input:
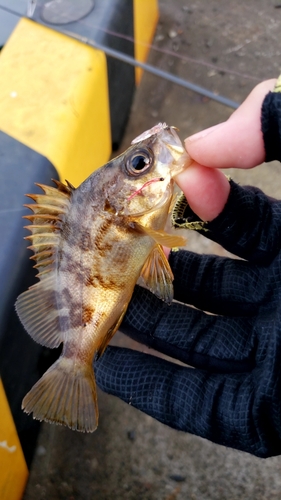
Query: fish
[{"x": 91, "y": 245}]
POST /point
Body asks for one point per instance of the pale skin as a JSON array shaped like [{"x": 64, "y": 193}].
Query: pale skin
[{"x": 236, "y": 143}]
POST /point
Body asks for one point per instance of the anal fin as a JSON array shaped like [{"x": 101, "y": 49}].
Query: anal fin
[
  {"x": 110, "y": 333},
  {"x": 158, "y": 276}
]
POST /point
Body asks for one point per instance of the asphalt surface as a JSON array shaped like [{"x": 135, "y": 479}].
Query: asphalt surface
[{"x": 227, "y": 47}]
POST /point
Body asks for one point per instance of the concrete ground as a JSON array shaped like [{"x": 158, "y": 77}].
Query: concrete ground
[{"x": 226, "y": 47}]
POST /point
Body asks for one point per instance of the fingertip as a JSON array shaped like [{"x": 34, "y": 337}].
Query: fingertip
[
  {"x": 205, "y": 189},
  {"x": 202, "y": 134},
  {"x": 237, "y": 142}
]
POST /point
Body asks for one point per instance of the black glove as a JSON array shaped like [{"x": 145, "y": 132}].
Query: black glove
[{"x": 233, "y": 396}]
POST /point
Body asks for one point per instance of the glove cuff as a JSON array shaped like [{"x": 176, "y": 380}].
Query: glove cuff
[{"x": 271, "y": 123}]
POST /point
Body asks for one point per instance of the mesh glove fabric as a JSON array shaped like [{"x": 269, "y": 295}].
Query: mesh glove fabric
[
  {"x": 231, "y": 394},
  {"x": 271, "y": 123}
]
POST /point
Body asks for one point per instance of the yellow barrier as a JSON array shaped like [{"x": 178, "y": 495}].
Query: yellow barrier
[
  {"x": 54, "y": 99},
  {"x": 13, "y": 469},
  {"x": 145, "y": 21}
]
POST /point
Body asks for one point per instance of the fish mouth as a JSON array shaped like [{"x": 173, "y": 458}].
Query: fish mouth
[
  {"x": 166, "y": 196},
  {"x": 147, "y": 183}
]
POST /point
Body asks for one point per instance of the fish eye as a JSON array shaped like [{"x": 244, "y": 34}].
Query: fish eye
[{"x": 139, "y": 161}]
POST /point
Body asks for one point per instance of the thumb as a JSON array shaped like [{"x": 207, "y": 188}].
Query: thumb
[
  {"x": 238, "y": 142},
  {"x": 206, "y": 190}
]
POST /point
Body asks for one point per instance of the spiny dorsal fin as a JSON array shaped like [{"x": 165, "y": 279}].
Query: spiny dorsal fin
[
  {"x": 48, "y": 211},
  {"x": 60, "y": 201},
  {"x": 38, "y": 228},
  {"x": 64, "y": 188},
  {"x": 39, "y": 218},
  {"x": 37, "y": 308},
  {"x": 42, "y": 255}
]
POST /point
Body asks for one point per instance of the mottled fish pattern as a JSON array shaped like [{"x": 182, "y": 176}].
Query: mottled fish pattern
[{"x": 91, "y": 244}]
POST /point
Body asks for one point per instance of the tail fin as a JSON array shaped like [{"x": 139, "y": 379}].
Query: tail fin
[{"x": 66, "y": 394}]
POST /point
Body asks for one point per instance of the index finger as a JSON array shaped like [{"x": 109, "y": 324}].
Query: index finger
[{"x": 238, "y": 142}]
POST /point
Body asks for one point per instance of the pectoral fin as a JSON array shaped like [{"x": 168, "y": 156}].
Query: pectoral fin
[
  {"x": 162, "y": 238},
  {"x": 158, "y": 275}
]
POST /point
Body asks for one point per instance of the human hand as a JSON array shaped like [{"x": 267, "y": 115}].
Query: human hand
[
  {"x": 232, "y": 395},
  {"x": 236, "y": 143}
]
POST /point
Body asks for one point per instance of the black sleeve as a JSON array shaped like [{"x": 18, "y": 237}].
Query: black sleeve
[
  {"x": 271, "y": 125},
  {"x": 249, "y": 226}
]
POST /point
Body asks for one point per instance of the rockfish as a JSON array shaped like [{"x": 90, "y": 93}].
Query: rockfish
[{"x": 91, "y": 244}]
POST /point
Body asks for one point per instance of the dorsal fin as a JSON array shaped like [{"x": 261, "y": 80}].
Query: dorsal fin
[
  {"x": 48, "y": 211},
  {"x": 66, "y": 189},
  {"x": 37, "y": 307}
]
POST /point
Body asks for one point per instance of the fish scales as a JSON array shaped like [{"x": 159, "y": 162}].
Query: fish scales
[{"x": 91, "y": 245}]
